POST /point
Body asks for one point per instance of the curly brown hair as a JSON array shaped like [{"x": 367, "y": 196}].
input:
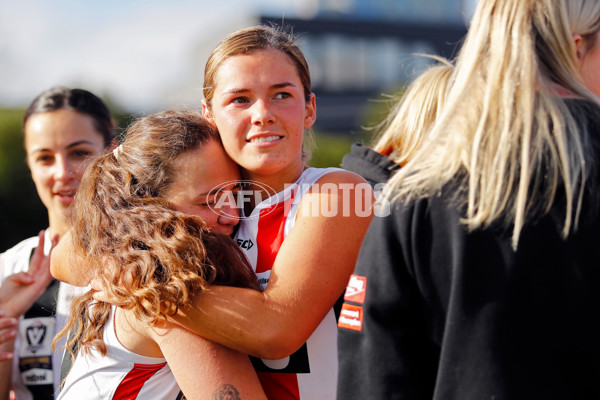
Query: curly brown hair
[{"x": 150, "y": 258}]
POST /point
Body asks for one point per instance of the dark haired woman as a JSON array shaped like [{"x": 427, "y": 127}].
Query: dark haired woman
[{"x": 64, "y": 130}]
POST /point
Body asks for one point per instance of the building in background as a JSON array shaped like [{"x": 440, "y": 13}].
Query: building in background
[{"x": 361, "y": 49}]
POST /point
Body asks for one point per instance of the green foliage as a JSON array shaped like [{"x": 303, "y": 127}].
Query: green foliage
[
  {"x": 11, "y": 144},
  {"x": 329, "y": 149},
  {"x": 377, "y": 110},
  {"x": 23, "y": 214}
]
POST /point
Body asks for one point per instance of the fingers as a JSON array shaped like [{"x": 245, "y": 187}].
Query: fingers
[
  {"x": 7, "y": 322},
  {"x": 54, "y": 242},
  {"x": 21, "y": 278},
  {"x": 41, "y": 239},
  {"x": 39, "y": 266},
  {"x": 101, "y": 297},
  {"x": 96, "y": 284},
  {"x": 6, "y": 356},
  {"x": 99, "y": 294},
  {"x": 38, "y": 255},
  {"x": 11, "y": 287},
  {"x": 8, "y": 332}
]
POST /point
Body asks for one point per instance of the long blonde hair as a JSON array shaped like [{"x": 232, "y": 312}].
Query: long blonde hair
[
  {"x": 506, "y": 136},
  {"x": 404, "y": 130},
  {"x": 148, "y": 257}
]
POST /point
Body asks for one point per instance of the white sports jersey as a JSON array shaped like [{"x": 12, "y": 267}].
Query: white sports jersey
[
  {"x": 311, "y": 372},
  {"x": 119, "y": 375},
  {"x": 35, "y": 368}
]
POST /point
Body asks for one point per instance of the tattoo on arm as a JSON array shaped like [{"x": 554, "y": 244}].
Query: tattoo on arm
[{"x": 226, "y": 392}]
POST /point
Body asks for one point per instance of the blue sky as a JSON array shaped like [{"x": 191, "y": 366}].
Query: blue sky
[{"x": 144, "y": 54}]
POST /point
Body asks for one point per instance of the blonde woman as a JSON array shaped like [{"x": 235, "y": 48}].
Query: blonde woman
[
  {"x": 482, "y": 283},
  {"x": 405, "y": 128}
]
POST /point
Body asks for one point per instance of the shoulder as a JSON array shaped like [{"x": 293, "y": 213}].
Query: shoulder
[
  {"x": 344, "y": 185},
  {"x": 338, "y": 195},
  {"x": 338, "y": 175},
  {"x": 373, "y": 166},
  {"x": 587, "y": 116},
  {"x": 585, "y": 113},
  {"x": 136, "y": 336},
  {"x": 16, "y": 259},
  {"x": 440, "y": 212},
  {"x": 23, "y": 245},
  {"x": 583, "y": 107}
]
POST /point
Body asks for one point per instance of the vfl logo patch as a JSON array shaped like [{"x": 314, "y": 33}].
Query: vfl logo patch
[
  {"x": 35, "y": 334},
  {"x": 351, "y": 317},
  {"x": 356, "y": 289}
]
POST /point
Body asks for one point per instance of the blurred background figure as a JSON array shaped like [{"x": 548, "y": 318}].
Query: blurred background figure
[
  {"x": 483, "y": 281},
  {"x": 405, "y": 129},
  {"x": 64, "y": 130}
]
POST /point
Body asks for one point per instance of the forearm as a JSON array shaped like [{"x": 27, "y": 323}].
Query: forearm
[
  {"x": 246, "y": 320},
  {"x": 8, "y": 332},
  {"x": 211, "y": 370},
  {"x": 6, "y": 369},
  {"x": 304, "y": 284}
]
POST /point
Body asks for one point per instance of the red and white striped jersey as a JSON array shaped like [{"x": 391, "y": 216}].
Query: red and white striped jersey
[
  {"x": 119, "y": 375},
  {"x": 311, "y": 372}
]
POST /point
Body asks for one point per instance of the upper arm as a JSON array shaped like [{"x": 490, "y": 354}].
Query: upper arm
[
  {"x": 316, "y": 259},
  {"x": 203, "y": 368},
  {"x": 309, "y": 274}
]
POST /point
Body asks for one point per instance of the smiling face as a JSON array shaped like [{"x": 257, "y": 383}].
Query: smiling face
[
  {"x": 60, "y": 144},
  {"x": 197, "y": 173},
  {"x": 260, "y": 110}
]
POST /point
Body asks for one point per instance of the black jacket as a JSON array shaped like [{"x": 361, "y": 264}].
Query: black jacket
[
  {"x": 451, "y": 314},
  {"x": 374, "y": 167}
]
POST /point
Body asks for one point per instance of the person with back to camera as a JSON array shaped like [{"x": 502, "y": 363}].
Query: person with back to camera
[
  {"x": 483, "y": 281},
  {"x": 156, "y": 242},
  {"x": 64, "y": 129},
  {"x": 257, "y": 94},
  {"x": 405, "y": 128}
]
